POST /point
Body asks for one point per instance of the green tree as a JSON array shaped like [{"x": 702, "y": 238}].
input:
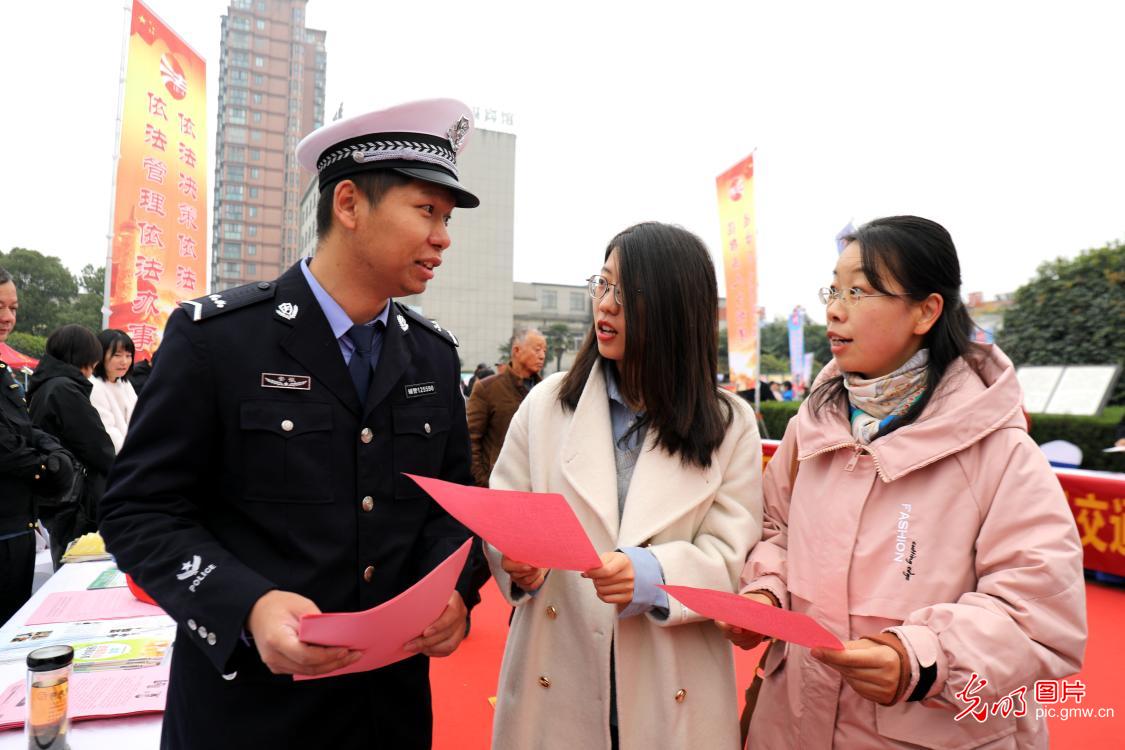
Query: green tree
[
  {"x": 1071, "y": 313},
  {"x": 775, "y": 342},
  {"x": 27, "y": 343},
  {"x": 558, "y": 340},
  {"x": 46, "y": 290},
  {"x": 87, "y": 310}
]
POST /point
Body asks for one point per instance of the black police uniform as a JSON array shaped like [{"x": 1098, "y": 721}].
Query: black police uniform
[
  {"x": 24, "y": 449},
  {"x": 250, "y": 465}
]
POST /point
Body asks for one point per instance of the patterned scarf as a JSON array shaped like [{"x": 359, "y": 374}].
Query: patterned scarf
[{"x": 877, "y": 402}]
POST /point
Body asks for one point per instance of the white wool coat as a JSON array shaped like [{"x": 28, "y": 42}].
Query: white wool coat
[{"x": 675, "y": 677}]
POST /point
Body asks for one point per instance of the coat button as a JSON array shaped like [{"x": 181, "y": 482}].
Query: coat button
[
  {"x": 231, "y": 676},
  {"x": 368, "y": 504},
  {"x": 426, "y": 427},
  {"x": 287, "y": 425},
  {"x": 552, "y": 613},
  {"x": 368, "y": 573},
  {"x": 191, "y": 625},
  {"x": 211, "y": 639},
  {"x": 544, "y": 681},
  {"x": 366, "y": 435},
  {"x": 202, "y": 632},
  {"x": 680, "y": 695}
]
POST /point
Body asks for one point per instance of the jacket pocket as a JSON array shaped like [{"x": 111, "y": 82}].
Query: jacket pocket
[
  {"x": 286, "y": 451},
  {"x": 917, "y": 724},
  {"x": 421, "y": 433}
]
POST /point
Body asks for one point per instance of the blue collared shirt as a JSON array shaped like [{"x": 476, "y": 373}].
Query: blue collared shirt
[
  {"x": 647, "y": 572},
  {"x": 339, "y": 321}
]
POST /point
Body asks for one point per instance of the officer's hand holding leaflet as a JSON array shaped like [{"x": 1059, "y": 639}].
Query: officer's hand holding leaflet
[
  {"x": 443, "y": 636},
  {"x": 274, "y": 622}
]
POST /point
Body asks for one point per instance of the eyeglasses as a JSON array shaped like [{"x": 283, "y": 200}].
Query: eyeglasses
[
  {"x": 848, "y": 297},
  {"x": 598, "y": 286}
]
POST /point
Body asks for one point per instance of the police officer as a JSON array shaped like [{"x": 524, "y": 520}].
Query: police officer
[
  {"x": 262, "y": 476},
  {"x": 31, "y": 463}
]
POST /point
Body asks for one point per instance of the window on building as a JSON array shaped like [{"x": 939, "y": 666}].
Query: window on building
[
  {"x": 233, "y": 193},
  {"x": 242, "y": 23},
  {"x": 239, "y": 39},
  {"x": 232, "y": 250},
  {"x": 236, "y": 135},
  {"x": 578, "y": 301},
  {"x": 237, "y": 95},
  {"x": 255, "y": 135},
  {"x": 257, "y": 98},
  {"x": 257, "y": 117},
  {"x": 238, "y": 75},
  {"x": 259, "y": 79},
  {"x": 251, "y": 249},
  {"x": 236, "y": 115},
  {"x": 260, "y": 25},
  {"x": 259, "y": 61},
  {"x": 255, "y": 173},
  {"x": 236, "y": 153},
  {"x": 232, "y": 210},
  {"x": 239, "y": 58},
  {"x": 230, "y": 269},
  {"x": 243, "y": 4},
  {"x": 252, "y": 230},
  {"x": 253, "y": 211},
  {"x": 232, "y": 231},
  {"x": 550, "y": 299},
  {"x": 263, "y": 6},
  {"x": 255, "y": 154},
  {"x": 236, "y": 173},
  {"x": 253, "y": 192}
]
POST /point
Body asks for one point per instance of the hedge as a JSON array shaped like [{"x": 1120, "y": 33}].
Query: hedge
[{"x": 1092, "y": 434}]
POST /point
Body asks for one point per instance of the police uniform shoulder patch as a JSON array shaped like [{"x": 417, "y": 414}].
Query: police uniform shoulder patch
[
  {"x": 427, "y": 324},
  {"x": 211, "y": 305}
]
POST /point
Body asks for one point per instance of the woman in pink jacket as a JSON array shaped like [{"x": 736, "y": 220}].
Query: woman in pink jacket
[{"x": 909, "y": 512}]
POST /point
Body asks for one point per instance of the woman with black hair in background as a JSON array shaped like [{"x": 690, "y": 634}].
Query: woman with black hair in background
[
  {"x": 664, "y": 471},
  {"x": 113, "y": 395},
  {"x": 59, "y": 394}
]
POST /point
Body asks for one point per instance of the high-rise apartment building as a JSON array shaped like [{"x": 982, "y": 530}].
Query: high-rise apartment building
[{"x": 271, "y": 93}]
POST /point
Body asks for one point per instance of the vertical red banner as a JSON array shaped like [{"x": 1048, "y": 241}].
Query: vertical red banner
[
  {"x": 738, "y": 227},
  {"x": 159, "y": 247}
]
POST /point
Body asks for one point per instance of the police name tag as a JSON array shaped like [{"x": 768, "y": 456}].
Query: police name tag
[
  {"x": 420, "y": 389},
  {"x": 286, "y": 382}
]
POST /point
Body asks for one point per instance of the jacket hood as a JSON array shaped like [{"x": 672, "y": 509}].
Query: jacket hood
[
  {"x": 50, "y": 368},
  {"x": 978, "y": 395}
]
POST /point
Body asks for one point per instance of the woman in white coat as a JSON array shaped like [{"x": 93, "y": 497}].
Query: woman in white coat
[
  {"x": 664, "y": 471},
  {"x": 113, "y": 395}
]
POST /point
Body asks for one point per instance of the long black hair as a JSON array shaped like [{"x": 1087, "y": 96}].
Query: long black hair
[
  {"x": 671, "y": 357},
  {"x": 920, "y": 256},
  {"x": 111, "y": 340}
]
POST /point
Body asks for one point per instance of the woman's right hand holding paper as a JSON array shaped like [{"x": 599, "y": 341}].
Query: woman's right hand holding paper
[
  {"x": 527, "y": 577},
  {"x": 746, "y": 639}
]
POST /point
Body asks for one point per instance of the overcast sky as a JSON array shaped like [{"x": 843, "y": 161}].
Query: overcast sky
[{"x": 1001, "y": 120}]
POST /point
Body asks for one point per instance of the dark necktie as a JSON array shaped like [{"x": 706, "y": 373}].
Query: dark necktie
[{"x": 360, "y": 366}]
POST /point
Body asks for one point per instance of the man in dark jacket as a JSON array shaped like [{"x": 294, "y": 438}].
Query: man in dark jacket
[
  {"x": 262, "y": 476},
  {"x": 59, "y": 393},
  {"x": 31, "y": 463},
  {"x": 494, "y": 400}
]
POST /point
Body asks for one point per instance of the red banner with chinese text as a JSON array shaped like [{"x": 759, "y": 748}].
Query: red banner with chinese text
[
  {"x": 159, "y": 247},
  {"x": 1097, "y": 499},
  {"x": 738, "y": 233}
]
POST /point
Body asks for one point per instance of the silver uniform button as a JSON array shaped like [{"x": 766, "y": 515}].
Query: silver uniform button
[
  {"x": 426, "y": 427},
  {"x": 231, "y": 676},
  {"x": 287, "y": 425},
  {"x": 366, "y": 435},
  {"x": 211, "y": 639},
  {"x": 202, "y": 632},
  {"x": 191, "y": 624}
]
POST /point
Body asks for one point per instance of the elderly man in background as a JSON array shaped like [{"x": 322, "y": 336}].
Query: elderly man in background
[{"x": 494, "y": 400}]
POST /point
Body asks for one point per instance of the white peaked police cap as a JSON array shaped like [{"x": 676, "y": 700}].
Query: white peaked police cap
[{"x": 418, "y": 139}]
